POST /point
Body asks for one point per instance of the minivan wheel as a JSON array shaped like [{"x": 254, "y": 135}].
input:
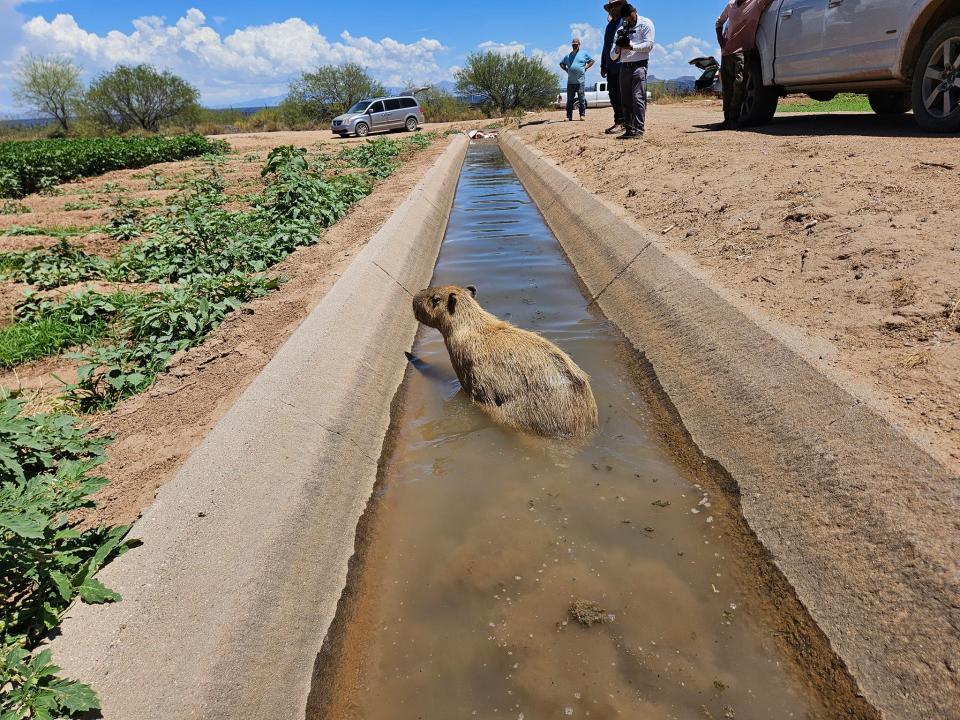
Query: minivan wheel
[
  {"x": 889, "y": 103},
  {"x": 936, "y": 80},
  {"x": 411, "y": 124},
  {"x": 759, "y": 101},
  {"x": 362, "y": 129}
]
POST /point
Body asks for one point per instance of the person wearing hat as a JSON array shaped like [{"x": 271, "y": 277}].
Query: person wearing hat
[
  {"x": 576, "y": 64},
  {"x": 632, "y": 46},
  {"x": 609, "y": 68}
]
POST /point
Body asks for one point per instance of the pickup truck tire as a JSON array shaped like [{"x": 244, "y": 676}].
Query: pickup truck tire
[
  {"x": 889, "y": 103},
  {"x": 759, "y": 101},
  {"x": 936, "y": 80}
]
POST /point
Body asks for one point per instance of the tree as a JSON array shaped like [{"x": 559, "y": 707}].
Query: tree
[
  {"x": 330, "y": 90},
  {"x": 49, "y": 85},
  {"x": 508, "y": 82},
  {"x": 139, "y": 97}
]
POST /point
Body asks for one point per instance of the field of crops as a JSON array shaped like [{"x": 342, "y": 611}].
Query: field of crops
[
  {"x": 27, "y": 166},
  {"x": 184, "y": 264}
]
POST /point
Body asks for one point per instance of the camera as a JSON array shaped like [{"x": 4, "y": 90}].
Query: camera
[{"x": 622, "y": 39}]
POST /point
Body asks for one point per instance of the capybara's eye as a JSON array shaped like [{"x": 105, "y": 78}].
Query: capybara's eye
[{"x": 435, "y": 300}]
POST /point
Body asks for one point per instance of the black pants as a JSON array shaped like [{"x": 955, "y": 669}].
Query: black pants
[
  {"x": 576, "y": 91},
  {"x": 633, "y": 96},
  {"x": 613, "y": 88}
]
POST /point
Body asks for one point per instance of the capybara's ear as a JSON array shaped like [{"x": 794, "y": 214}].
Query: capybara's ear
[
  {"x": 451, "y": 303},
  {"x": 473, "y": 290}
]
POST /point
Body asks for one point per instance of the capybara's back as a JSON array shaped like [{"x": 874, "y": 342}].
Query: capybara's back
[{"x": 520, "y": 378}]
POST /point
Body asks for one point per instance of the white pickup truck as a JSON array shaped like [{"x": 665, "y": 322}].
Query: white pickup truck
[
  {"x": 596, "y": 96},
  {"x": 905, "y": 54}
]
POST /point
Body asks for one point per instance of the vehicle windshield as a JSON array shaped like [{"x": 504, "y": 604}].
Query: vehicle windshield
[{"x": 359, "y": 107}]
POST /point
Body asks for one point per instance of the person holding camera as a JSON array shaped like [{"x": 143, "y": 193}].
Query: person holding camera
[
  {"x": 576, "y": 64},
  {"x": 610, "y": 69},
  {"x": 632, "y": 46}
]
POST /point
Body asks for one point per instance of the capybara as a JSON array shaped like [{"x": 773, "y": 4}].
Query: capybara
[{"x": 519, "y": 378}]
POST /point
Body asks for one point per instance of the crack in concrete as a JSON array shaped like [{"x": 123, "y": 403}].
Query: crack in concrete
[
  {"x": 617, "y": 276},
  {"x": 392, "y": 278},
  {"x": 323, "y": 427}
]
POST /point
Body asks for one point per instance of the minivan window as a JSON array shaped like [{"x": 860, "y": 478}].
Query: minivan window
[
  {"x": 359, "y": 107},
  {"x": 408, "y": 102},
  {"x": 393, "y": 104},
  {"x": 377, "y": 107}
]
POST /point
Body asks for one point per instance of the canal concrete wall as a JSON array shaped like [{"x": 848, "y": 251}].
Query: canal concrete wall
[
  {"x": 245, "y": 551},
  {"x": 856, "y": 515}
]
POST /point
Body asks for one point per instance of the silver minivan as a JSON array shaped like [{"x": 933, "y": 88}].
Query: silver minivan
[
  {"x": 379, "y": 115},
  {"x": 904, "y": 54}
]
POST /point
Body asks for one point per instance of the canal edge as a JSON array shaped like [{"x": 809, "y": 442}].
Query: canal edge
[
  {"x": 851, "y": 510},
  {"x": 246, "y": 548}
]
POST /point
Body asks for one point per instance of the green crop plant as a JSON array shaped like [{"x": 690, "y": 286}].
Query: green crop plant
[
  {"x": 47, "y": 562},
  {"x": 12, "y": 207},
  {"x": 26, "y": 165},
  {"x": 62, "y": 264},
  {"x": 81, "y": 205}
]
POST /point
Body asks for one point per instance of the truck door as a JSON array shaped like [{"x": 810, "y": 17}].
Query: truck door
[
  {"x": 799, "y": 41},
  {"x": 860, "y": 37}
]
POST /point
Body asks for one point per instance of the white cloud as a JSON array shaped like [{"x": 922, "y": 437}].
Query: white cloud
[
  {"x": 250, "y": 61},
  {"x": 591, "y": 40},
  {"x": 509, "y": 48},
  {"x": 672, "y": 59}
]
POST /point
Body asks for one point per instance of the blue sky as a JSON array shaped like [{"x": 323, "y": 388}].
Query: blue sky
[{"x": 235, "y": 51}]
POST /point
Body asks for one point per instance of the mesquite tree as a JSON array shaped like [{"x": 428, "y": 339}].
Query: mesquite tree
[
  {"x": 139, "y": 97},
  {"x": 508, "y": 82},
  {"x": 49, "y": 85},
  {"x": 330, "y": 90}
]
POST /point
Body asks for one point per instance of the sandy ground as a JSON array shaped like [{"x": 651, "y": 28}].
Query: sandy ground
[
  {"x": 843, "y": 226},
  {"x": 155, "y": 432}
]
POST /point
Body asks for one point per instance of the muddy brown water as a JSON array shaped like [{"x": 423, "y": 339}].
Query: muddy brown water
[{"x": 480, "y": 539}]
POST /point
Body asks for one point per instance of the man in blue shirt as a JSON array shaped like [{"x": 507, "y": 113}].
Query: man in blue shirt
[
  {"x": 609, "y": 68},
  {"x": 576, "y": 64}
]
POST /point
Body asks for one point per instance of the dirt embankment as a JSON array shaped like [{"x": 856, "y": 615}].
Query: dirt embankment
[{"x": 843, "y": 226}]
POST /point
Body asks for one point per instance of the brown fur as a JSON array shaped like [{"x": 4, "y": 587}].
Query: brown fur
[{"x": 519, "y": 378}]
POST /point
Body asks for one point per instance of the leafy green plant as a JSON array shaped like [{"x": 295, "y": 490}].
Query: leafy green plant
[
  {"x": 12, "y": 207},
  {"x": 151, "y": 330},
  {"x": 24, "y": 164},
  {"x": 46, "y": 561},
  {"x": 123, "y": 221},
  {"x": 81, "y": 205},
  {"x": 62, "y": 264}
]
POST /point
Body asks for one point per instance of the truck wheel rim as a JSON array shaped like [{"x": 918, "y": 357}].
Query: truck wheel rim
[{"x": 941, "y": 80}]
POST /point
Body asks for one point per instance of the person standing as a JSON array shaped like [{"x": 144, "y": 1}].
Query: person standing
[
  {"x": 609, "y": 68},
  {"x": 737, "y": 36},
  {"x": 631, "y": 46},
  {"x": 576, "y": 64}
]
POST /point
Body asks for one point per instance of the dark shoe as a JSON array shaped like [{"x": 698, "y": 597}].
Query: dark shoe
[
  {"x": 629, "y": 135},
  {"x": 718, "y": 126},
  {"x": 613, "y": 128}
]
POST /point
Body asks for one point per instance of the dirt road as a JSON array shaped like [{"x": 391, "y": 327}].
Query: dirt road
[{"x": 843, "y": 226}]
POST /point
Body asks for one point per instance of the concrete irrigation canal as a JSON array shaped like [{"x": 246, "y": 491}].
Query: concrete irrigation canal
[{"x": 356, "y": 540}]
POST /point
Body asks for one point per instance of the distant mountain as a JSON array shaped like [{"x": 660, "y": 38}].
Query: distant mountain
[{"x": 263, "y": 102}]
